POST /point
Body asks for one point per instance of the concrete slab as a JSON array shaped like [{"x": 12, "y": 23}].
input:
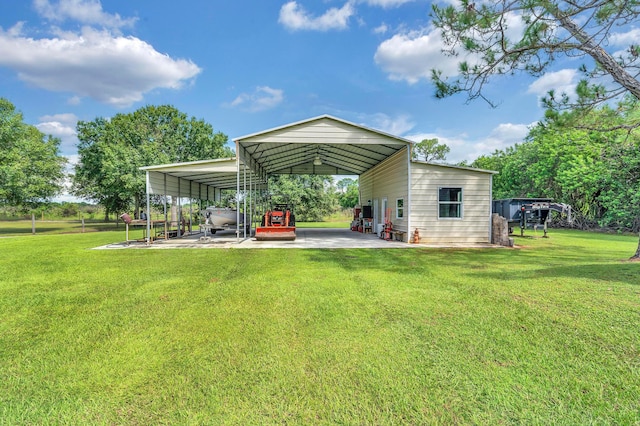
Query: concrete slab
[{"x": 313, "y": 238}]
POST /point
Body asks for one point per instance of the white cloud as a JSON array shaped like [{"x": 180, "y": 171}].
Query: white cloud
[
  {"x": 84, "y": 11},
  {"x": 386, "y": 3},
  {"x": 625, "y": 39},
  {"x": 61, "y": 126},
  {"x": 560, "y": 81},
  {"x": 263, "y": 98},
  {"x": 457, "y": 144},
  {"x": 16, "y": 30},
  {"x": 74, "y": 100},
  {"x": 411, "y": 56},
  {"x": 510, "y": 133},
  {"x": 515, "y": 26},
  {"x": 381, "y": 29},
  {"x": 55, "y": 128},
  {"x": 295, "y": 17},
  {"x": 464, "y": 148},
  {"x": 68, "y": 119},
  {"x": 398, "y": 125},
  {"x": 501, "y": 137},
  {"x": 115, "y": 70}
]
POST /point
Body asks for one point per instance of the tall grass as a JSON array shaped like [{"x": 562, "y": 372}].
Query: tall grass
[{"x": 545, "y": 334}]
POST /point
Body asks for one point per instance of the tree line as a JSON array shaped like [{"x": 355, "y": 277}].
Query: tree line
[
  {"x": 581, "y": 152},
  {"x": 111, "y": 151},
  {"x": 596, "y": 172},
  {"x": 505, "y": 38},
  {"x": 31, "y": 168}
]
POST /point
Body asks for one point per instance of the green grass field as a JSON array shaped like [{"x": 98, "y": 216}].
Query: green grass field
[
  {"x": 548, "y": 333},
  {"x": 49, "y": 227}
]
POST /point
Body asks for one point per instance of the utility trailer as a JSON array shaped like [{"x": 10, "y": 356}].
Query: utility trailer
[{"x": 529, "y": 212}]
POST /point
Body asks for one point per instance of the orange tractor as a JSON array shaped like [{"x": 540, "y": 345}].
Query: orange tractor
[{"x": 277, "y": 224}]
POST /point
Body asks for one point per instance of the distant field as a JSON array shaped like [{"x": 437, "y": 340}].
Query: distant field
[
  {"x": 22, "y": 227},
  {"x": 548, "y": 333}
]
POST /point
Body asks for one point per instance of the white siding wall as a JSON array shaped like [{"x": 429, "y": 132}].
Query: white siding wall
[
  {"x": 476, "y": 197},
  {"x": 388, "y": 180}
]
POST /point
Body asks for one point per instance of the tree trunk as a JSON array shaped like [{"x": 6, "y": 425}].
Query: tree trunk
[
  {"x": 106, "y": 214},
  {"x": 589, "y": 46},
  {"x": 137, "y": 207},
  {"x": 637, "y": 255}
]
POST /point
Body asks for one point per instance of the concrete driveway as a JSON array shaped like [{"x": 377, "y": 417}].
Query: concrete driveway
[
  {"x": 314, "y": 238},
  {"x": 305, "y": 238}
]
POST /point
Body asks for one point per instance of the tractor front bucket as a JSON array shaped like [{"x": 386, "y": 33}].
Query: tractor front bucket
[{"x": 276, "y": 233}]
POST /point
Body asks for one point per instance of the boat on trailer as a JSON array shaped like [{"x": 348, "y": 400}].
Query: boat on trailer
[{"x": 219, "y": 218}]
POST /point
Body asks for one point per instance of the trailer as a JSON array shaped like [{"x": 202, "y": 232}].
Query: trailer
[
  {"x": 221, "y": 219},
  {"x": 529, "y": 212}
]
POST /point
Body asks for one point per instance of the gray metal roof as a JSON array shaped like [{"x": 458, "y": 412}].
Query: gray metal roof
[
  {"x": 197, "y": 177},
  {"x": 342, "y": 147}
]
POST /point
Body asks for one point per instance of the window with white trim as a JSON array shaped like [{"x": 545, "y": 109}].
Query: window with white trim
[
  {"x": 399, "y": 208},
  {"x": 450, "y": 203}
]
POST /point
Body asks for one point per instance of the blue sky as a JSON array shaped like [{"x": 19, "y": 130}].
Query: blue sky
[{"x": 252, "y": 65}]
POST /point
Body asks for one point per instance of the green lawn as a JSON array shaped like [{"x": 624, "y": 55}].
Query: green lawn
[
  {"x": 48, "y": 227},
  {"x": 545, "y": 334}
]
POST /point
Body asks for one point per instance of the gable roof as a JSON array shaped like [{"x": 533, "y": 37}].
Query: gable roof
[
  {"x": 450, "y": 166},
  {"x": 199, "y": 179},
  {"x": 342, "y": 147}
]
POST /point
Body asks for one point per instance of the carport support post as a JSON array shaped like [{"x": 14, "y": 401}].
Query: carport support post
[
  {"x": 252, "y": 189},
  {"x": 237, "y": 196},
  {"x": 178, "y": 233},
  {"x": 166, "y": 218},
  {"x": 148, "y": 209},
  {"x": 190, "y": 208},
  {"x": 244, "y": 202}
]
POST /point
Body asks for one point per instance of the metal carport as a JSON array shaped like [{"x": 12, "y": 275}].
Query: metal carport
[
  {"x": 321, "y": 145},
  {"x": 203, "y": 180}
]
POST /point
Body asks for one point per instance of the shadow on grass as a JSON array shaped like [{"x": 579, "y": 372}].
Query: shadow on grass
[
  {"x": 389, "y": 260},
  {"x": 407, "y": 261},
  {"x": 627, "y": 273},
  {"x": 493, "y": 264}
]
